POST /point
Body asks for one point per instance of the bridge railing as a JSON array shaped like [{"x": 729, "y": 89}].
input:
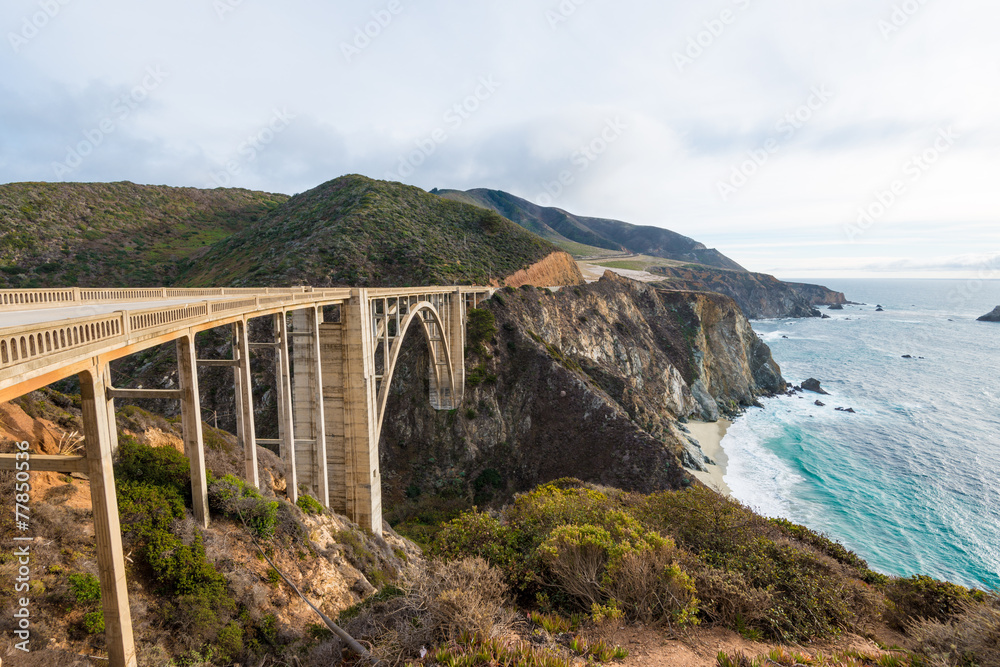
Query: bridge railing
[
  {"x": 31, "y": 299},
  {"x": 25, "y": 343}
]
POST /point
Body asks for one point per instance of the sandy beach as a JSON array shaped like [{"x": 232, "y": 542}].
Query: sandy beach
[{"x": 709, "y": 436}]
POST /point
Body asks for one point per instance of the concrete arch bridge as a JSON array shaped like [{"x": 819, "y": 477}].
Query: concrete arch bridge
[{"x": 333, "y": 379}]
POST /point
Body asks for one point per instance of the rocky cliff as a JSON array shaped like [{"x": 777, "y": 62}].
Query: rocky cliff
[
  {"x": 588, "y": 382},
  {"x": 761, "y": 296},
  {"x": 559, "y": 268},
  {"x": 993, "y": 316},
  {"x": 818, "y": 295}
]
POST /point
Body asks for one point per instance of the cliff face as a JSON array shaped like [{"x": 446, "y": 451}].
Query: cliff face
[
  {"x": 559, "y": 268},
  {"x": 818, "y": 295},
  {"x": 761, "y": 296},
  {"x": 588, "y": 382}
]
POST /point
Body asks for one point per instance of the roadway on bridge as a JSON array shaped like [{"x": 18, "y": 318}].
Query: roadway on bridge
[{"x": 42, "y": 315}]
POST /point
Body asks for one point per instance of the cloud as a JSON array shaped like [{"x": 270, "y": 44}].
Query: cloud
[{"x": 563, "y": 72}]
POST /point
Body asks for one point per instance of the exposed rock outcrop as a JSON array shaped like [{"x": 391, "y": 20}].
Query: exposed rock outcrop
[
  {"x": 761, "y": 296},
  {"x": 588, "y": 382},
  {"x": 813, "y": 385},
  {"x": 991, "y": 317},
  {"x": 818, "y": 295},
  {"x": 557, "y": 269}
]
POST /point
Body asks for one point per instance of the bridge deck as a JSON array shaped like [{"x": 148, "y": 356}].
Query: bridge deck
[{"x": 18, "y": 318}]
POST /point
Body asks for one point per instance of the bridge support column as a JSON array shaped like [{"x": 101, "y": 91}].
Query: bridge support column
[
  {"x": 307, "y": 398},
  {"x": 112, "y": 424},
  {"x": 349, "y": 390},
  {"x": 456, "y": 343},
  {"x": 98, "y": 425},
  {"x": 194, "y": 440},
  {"x": 246, "y": 432},
  {"x": 286, "y": 415}
]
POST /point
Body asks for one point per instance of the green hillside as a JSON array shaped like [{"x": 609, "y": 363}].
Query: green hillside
[
  {"x": 358, "y": 231},
  {"x": 121, "y": 234},
  {"x": 592, "y": 236}
]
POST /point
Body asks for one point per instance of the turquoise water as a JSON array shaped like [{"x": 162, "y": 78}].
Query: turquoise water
[{"x": 912, "y": 481}]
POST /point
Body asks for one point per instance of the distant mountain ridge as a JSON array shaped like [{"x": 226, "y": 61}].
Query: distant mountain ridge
[{"x": 561, "y": 227}]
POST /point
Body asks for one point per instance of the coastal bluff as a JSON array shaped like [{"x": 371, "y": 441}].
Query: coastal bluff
[{"x": 992, "y": 316}]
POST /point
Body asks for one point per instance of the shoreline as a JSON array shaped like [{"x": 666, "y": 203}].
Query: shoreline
[{"x": 709, "y": 436}]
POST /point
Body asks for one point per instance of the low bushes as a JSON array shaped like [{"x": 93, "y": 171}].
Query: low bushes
[
  {"x": 675, "y": 556},
  {"x": 151, "y": 485},
  {"x": 920, "y": 597},
  {"x": 234, "y": 498}
]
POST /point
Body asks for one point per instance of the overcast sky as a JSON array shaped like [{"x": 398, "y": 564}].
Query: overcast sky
[{"x": 805, "y": 139}]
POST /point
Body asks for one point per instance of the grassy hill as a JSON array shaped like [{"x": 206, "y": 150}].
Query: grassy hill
[
  {"x": 100, "y": 234},
  {"x": 584, "y": 236},
  {"x": 358, "y": 231}
]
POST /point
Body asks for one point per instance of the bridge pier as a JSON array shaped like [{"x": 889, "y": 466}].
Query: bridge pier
[
  {"x": 98, "y": 426},
  {"x": 349, "y": 393},
  {"x": 246, "y": 433},
  {"x": 194, "y": 440},
  {"x": 286, "y": 408},
  {"x": 307, "y": 402}
]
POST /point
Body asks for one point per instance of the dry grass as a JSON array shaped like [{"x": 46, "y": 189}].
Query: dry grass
[
  {"x": 441, "y": 604},
  {"x": 972, "y": 638}
]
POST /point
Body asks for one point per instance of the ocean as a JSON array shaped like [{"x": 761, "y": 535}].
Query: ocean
[{"x": 911, "y": 481}]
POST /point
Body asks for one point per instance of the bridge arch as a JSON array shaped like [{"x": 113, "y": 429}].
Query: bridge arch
[{"x": 443, "y": 391}]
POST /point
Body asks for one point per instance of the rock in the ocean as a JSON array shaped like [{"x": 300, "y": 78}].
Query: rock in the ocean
[
  {"x": 812, "y": 384},
  {"x": 851, "y": 410},
  {"x": 991, "y": 317},
  {"x": 821, "y": 404},
  {"x": 879, "y": 309},
  {"x": 836, "y": 306},
  {"x": 827, "y": 317},
  {"x": 907, "y": 356}
]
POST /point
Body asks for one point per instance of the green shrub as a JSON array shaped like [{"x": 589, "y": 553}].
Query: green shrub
[
  {"x": 230, "y": 641},
  {"x": 197, "y": 592},
  {"x": 479, "y": 535},
  {"x": 309, "y": 505},
  {"x": 159, "y": 466},
  {"x": 234, "y": 498},
  {"x": 93, "y": 622},
  {"x": 481, "y": 327},
  {"x": 623, "y": 566},
  {"x": 85, "y": 588}
]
